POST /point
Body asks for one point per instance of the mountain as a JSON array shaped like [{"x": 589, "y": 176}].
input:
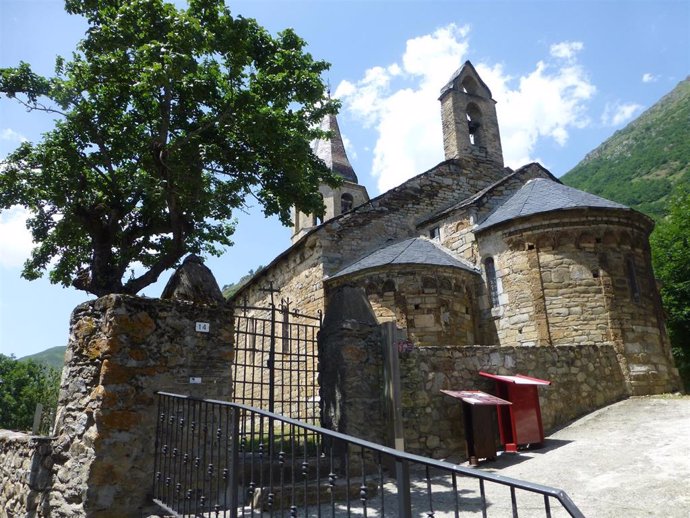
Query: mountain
[
  {"x": 640, "y": 164},
  {"x": 55, "y": 357}
]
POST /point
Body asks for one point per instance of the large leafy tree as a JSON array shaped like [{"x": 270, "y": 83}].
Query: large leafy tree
[
  {"x": 24, "y": 384},
  {"x": 167, "y": 119},
  {"x": 671, "y": 254}
]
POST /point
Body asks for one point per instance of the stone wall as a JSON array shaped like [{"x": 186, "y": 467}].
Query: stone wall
[
  {"x": 25, "y": 471},
  {"x": 581, "y": 277},
  {"x": 584, "y": 378},
  {"x": 436, "y": 305},
  {"x": 299, "y": 272},
  {"x": 123, "y": 349}
]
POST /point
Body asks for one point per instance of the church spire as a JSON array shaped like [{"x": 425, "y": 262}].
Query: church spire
[
  {"x": 336, "y": 200},
  {"x": 332, "y": 151}
]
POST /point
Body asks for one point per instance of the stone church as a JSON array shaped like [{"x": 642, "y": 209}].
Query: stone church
[{"x": 472, "y": 253}]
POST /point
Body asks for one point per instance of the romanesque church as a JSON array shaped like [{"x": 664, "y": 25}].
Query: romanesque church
[{"x": 474, "y": 253}]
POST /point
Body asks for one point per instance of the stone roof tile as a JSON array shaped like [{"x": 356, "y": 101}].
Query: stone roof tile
[
  {"x": 541, "y": 195},
  {"x": 417, "y": 251}
]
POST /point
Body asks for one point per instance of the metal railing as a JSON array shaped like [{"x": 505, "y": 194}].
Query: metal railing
[{"x": 214, "y": 458}]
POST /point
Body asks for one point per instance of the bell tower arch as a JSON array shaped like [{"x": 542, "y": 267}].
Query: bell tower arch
[{"x": 470, "y": 124}]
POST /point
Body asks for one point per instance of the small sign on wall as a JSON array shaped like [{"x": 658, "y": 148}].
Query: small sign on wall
[
  {"x": 194, "y": 380},
  {"x": 203, "y": 327}
]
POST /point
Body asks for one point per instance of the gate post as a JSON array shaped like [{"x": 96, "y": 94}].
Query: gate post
[
  {"x": 234, "y": 478},
  {"x": 393, "y": 398}
]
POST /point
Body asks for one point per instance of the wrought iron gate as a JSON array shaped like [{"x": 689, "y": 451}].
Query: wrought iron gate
[{"x": 276, "y": 361}]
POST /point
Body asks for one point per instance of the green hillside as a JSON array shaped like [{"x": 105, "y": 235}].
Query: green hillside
[
  {"x": 54, "y": 357},
  {"x": 640, "y": 164}
]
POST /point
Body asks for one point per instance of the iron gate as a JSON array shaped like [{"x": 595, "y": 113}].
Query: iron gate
[{"x": 276, "y": 361}]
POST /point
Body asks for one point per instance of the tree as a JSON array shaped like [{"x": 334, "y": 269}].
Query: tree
[
  {"x": 24, "y": 384},
  {"x": 167, "y": 119},
  {"x": 670, "y": 243}
]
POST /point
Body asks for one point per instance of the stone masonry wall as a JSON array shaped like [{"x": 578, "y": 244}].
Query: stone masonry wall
[
  {"x": 581, "y": 277},
  {"x": 123, "y": 349},
  {"x": 436, "y": 305},
  {"x": 584, "y": 378},
  {"x": 299, "y": 272},
  {"x": 26, "y": 463}
]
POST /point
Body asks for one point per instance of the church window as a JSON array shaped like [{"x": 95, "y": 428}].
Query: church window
[
  {"x": 491, "y": 280},
  {"x": 346, "y": 202},
  {"x": 632, "y": 280},
  {"x": 435, "y": 233}
]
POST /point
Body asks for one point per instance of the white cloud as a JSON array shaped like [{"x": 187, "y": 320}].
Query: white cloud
[
  {"x": 15, "y": 238},
  {"x": 566, "y": 49},
  {"x": 12, "y": 136},
  {"x": 400, "y": 101},
  {"x": 649, "y": 78},
  {"x": 616, "y": 114}
]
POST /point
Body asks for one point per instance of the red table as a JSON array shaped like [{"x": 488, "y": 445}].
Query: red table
[{"x": 520, "y": 423}]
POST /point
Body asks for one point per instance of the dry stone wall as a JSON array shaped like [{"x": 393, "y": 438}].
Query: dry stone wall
[
  {"x": 585, "y": 377},
  {"x": 122, "y": 350},
  {"x": 26, "y": 464}
]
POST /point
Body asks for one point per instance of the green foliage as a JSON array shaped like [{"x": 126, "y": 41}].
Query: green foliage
[
  {"x": 167, "y": 119},
  {"x": 640, "y": 164},
  {"x": 229, "y": 290},
  {"x": 24, "y": 384},
  {"x": 671, "y": 255}
]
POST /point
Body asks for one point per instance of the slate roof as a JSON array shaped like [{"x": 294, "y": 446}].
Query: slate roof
[
  {"x": 332, "y": 151},
  {"x": 540, "y": 195},
  {"x": 418, "y": 250}
]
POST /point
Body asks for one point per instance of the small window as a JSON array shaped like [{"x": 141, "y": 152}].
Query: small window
[
  {"x": 491, "y": 280},
  {"x": 346, "y": 202},
  {"x": 435, "y": 233},
  {"x": 632, "y": 280}
]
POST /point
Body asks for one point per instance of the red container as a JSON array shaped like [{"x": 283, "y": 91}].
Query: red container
[{"x": 520, "y": 423}]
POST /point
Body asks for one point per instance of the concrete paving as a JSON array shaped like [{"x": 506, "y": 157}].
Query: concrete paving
[{"x": 629, "y": 459}]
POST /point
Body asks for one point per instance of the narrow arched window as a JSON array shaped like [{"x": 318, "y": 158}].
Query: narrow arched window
[
  {"x": 474, "y": 118},
  {"x": 632, "y": 280},
  {"x": 491, "y": 280},
  {"x": 346, "y": 202}
]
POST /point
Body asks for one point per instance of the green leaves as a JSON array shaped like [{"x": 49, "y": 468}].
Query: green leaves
[
  {"x": 671, "y": 255},
  {"x": 24, "y": 384},
  {"x": 170, "y": 118}
]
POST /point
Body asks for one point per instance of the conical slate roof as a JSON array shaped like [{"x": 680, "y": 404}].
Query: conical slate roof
[
  {"x": 418, "y": 250},
  {"x": 541, "y": 195},
  {"x": 332, "y": 151}
]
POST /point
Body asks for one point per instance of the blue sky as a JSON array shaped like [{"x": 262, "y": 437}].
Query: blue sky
[{"x": 565, "y": 75}]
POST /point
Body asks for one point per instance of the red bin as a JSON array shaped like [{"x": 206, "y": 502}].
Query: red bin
[{"x": 520, "y": 423}]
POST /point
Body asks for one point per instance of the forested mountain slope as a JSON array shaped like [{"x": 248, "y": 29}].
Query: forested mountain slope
[{"x": 641, "y": 163}]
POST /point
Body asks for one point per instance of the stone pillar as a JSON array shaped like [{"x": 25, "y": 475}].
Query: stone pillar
[
  {"x": 351, "y": 366},
  {"x": 122, "y": 350}
]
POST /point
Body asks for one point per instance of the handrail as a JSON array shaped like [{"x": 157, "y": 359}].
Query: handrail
[{"x": 399, "y": 456}]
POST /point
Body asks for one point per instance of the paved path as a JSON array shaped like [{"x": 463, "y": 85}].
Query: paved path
[{"x": 630, "y": 459}]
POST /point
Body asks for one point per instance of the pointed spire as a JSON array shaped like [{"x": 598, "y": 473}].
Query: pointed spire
[{"x": 332, "y": 151}]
